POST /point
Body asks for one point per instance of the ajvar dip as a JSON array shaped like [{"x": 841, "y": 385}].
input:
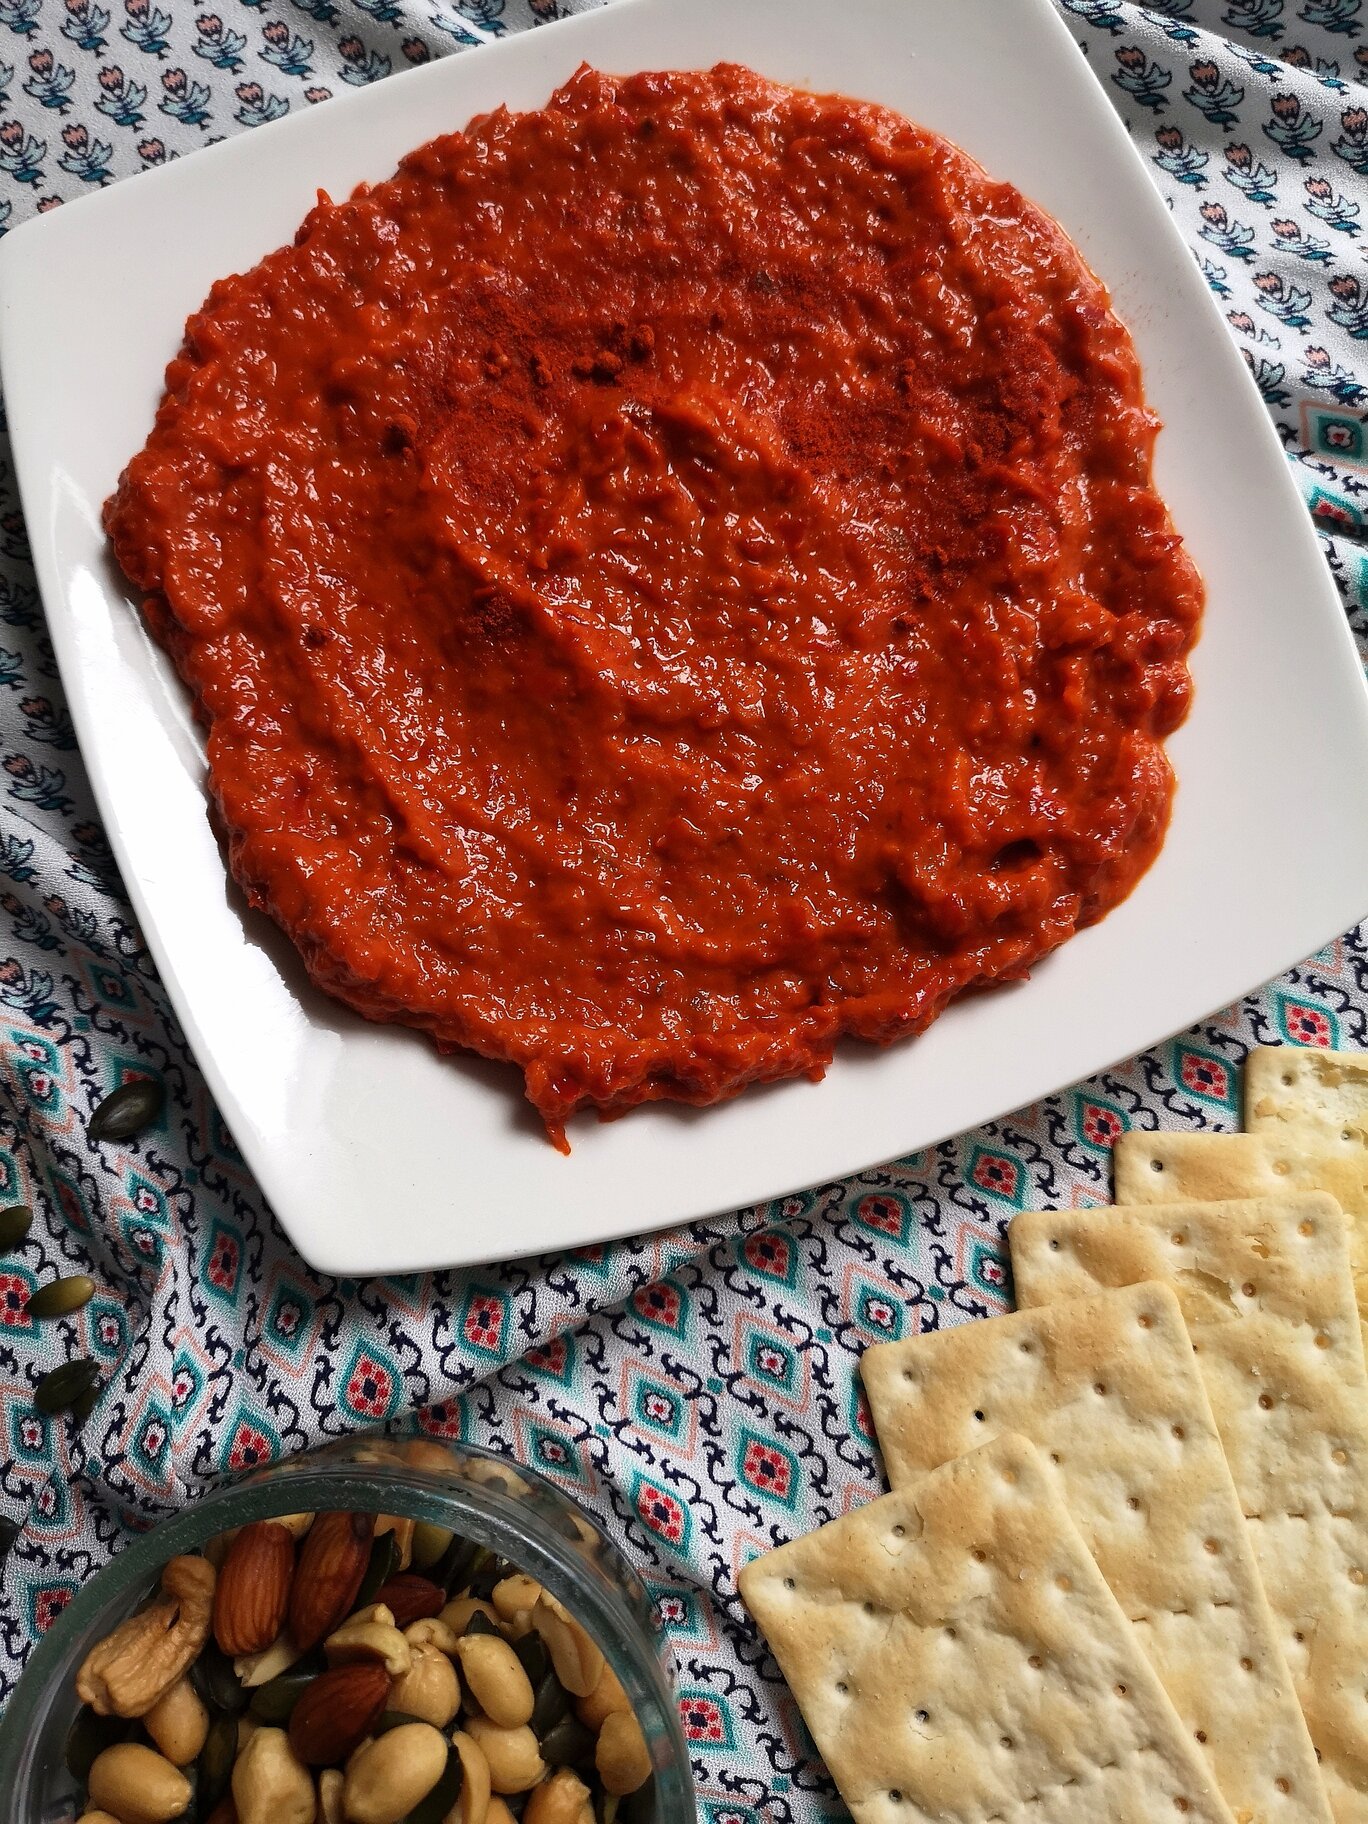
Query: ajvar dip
[{"x": 671, "y": 579}]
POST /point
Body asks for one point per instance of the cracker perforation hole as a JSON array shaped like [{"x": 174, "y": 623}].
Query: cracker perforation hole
[
  {"x": 1249, "y": 1288},
  {"x": 1133, "y": 1502},
  {"x": 1356, "y": 1575},
  {"x": 1178, "y": 1238},
  {"x": 789, "y": 1584},
  {"x": 1145, "y": 1321},
  {"x": 978, "y": 1415},
  {"x": 1266, "y": 1402},
  {"x": 1211, "y": 1545},
  {"x": 1156, "y": 1165},
  {"x": 923, "y": 1716},
  {"x": 1306, "y": 1228},
  {"x": 1005, "y": 1741},
  {"x": 1035, "y": 1662},
  {"x": 1179, "y": 1433},
  {"x": 1322, "y": 1340},
  {"x": 1201, "y": 1735},
  {"x": 1054, "y": 1245},
  {"x": 1121, "y": 1690},
  {"x": 1339, "y": 1455},
  {"x": 900, "y": 1531},
  {"x": 1282, "y": 1785},
  {"x": 1246, "y": 1665}
]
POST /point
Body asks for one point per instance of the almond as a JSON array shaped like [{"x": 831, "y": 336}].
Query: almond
[
  {"x": 332, "y": 1562},
  {"x": 337, "y": 1710},
  {"x": 253, "y": 1590},
  {"x": 411, "y": 1598}
]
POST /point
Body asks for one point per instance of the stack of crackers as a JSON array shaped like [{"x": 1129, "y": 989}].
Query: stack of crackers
[{"x": 1123, "y": 1574}]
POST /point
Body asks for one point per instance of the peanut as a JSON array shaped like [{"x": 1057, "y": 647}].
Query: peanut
[
  {"x": 621, "y": 1756},
  {"x": 138, "y": 1785},
  {"x": 430, "y": 1689},
  {"x": 178, "y": 1723},
  {"x": 496, "y": 1679},
  {"x": 514, "y": 1755},
  {"x": 388, "y": 1776}
]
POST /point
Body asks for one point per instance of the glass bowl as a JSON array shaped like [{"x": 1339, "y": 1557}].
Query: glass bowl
[{"x": 514, "y": 1511}]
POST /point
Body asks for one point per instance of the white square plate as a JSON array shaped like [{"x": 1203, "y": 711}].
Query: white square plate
[{"x": 379, "y": 1156}]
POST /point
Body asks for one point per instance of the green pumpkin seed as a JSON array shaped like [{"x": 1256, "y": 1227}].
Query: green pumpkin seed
[
  {"x": 274, "y": 1701},
  {"x": 434, "y": 1806},
  {"x": 487, "y": 1570},
  {"x": 380, "y": 1567},
  {"x": 15, "y": 1223},
  {"x": 82, "y": 1407},
  {"x": 452, "y": 1570},
  {"x": 533, "y": 1658},
  {"x": 58, "y": 1390},
  {"x": 430, "y": 1545},
  {"x": 213, "y": 1769},
  {"x": 90, "y": 1735},
  {"x": 551, "y": 1704},
  {"x": 393, "y": 1719},
  {"x": 132, "y": 1107},
  {"x": 60, "y": 1297},
  {"x": 213, "y": 1677},
  {"x": 568, "y": 1744}
]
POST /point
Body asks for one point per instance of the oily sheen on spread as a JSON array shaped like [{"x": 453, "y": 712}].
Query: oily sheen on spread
[{"x": 671, "y": 579}]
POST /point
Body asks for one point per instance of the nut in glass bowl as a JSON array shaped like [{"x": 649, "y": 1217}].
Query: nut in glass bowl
[{"x": 382, "y": 1632}]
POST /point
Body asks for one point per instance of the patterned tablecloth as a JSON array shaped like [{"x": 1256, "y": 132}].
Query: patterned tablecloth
[{"x": 696, "y": 1389}]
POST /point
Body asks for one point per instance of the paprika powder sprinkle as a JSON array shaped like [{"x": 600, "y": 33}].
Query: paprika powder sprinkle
[{"x": 671, "y": 579}]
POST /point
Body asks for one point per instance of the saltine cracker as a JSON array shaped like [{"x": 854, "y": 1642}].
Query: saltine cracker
[
  {"x": 1107, "y": 1388},
  {"x": 1268, "y": 1299},
  {"x": 958, "y": 1657}
]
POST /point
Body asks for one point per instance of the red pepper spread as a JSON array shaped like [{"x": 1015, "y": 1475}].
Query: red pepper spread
[{"x": 671, "y": 579}]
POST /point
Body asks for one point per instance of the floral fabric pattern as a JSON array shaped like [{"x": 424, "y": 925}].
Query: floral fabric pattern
[{"x": 696, "y": 1389}]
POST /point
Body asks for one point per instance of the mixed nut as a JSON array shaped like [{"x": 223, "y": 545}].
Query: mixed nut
[{"x": 353, "y": 1668}]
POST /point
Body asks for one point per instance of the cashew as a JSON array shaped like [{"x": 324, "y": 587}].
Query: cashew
[
  {"x": 622, "y": 1758},
  {"x": 178, "y": 1723},
  {"x": 473, "y": 1805},
  {"x": 496, "y": 1679},
  {"x": 514, "y": 1756},
  {"x": 578, "y": 1662},
  {"x": 515, "y": 1594},
  {"x": 606, "y": 1697},
  {"x": 388, "y": 1776},
  {"x": 255, "y": 1669},
  {"x": 402, "y": 1528},
  {"x": 138, "y": 1785},
  {"x": 330, "y": 1784},
  {"x": 432, "y": 1632},
  {"x": 563, "y": 1799},
  {"x": 457, "y": 1614},
  {"x": 370, "y": 1634},
  {"x": 271, "y": 1785},
  {"x": 430, "y": 1689},
  {"x": 125, "y": 1674}
]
